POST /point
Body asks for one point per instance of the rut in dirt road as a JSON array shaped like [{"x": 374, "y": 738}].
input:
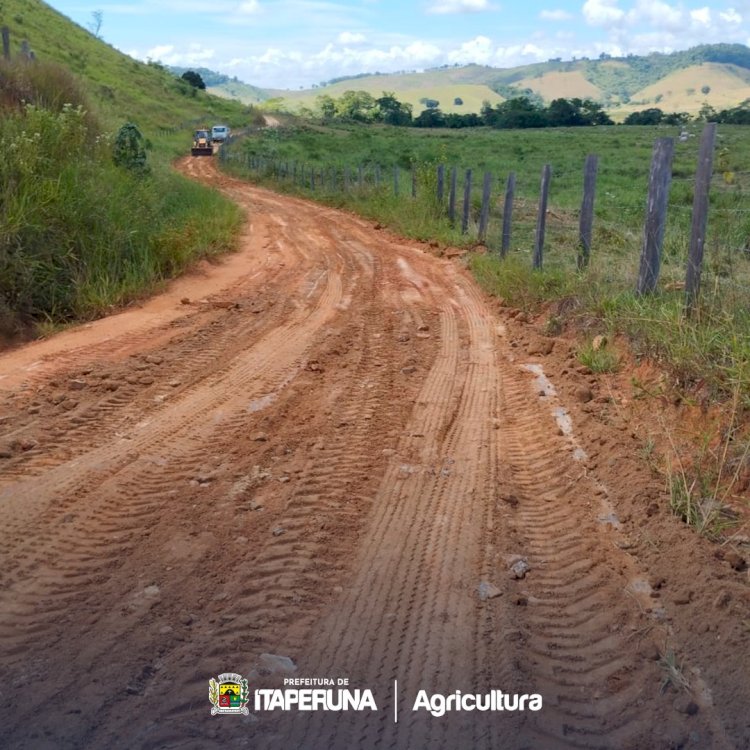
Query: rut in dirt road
[{"x": 323, "y": 458}]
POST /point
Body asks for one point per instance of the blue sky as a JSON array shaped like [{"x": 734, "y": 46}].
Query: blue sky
[{"x": 295, "y": 43}]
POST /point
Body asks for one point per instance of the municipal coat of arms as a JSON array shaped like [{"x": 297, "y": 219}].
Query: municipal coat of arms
[{"x": 228, "y": 694}]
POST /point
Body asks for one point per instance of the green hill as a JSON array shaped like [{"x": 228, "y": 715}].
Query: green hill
[
  {"x": 92, "y": 215},
  {"x": 619, "y": 83},
  {"x": 469, "y": 84},
  {"x": 120, "y": 87}
]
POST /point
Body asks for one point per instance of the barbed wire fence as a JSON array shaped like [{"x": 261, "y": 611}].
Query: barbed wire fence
[{"x": 496, "y": 210}]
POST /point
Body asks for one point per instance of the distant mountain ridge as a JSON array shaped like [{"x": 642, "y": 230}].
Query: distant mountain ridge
[{"x": 717, "y": 74}]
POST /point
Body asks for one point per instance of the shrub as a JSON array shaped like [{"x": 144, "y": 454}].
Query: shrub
[{"x": 129, "y": 150}]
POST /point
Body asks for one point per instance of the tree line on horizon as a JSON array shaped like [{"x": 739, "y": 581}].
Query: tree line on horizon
[{"x": 516, "y": 113}]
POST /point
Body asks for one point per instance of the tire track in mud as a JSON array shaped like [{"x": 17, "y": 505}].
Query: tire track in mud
[
  {"x": 411, "y": 612},
  {"x": 215, "y": 337},
  {"x": 120, "y": 491},
  {"x": 586, "y": 617},
  {"x": 250, "y": 373},
  {"x": 336, "y": 487},
  {"x": 397, "y": 507}
]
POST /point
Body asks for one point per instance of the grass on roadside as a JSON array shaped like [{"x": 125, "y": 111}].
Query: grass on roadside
[
  {"x": 598, "y": 360},
  {"x": 77, "y": 233}
]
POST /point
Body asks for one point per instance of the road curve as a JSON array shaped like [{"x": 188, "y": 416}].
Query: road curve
[{"x": 318, "y": 449}]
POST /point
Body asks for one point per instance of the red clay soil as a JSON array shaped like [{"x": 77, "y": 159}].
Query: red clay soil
[{"x": 332, "y": 447}]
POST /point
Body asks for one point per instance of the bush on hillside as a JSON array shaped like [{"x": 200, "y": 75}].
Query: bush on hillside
[
  {"x": 43, "y": 84},
  {"x": 194, "y": 79},
  {"x": 130, "y": 149}
]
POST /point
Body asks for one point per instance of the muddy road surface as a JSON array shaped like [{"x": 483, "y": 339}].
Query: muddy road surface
[{"x": 331, "y": 457}]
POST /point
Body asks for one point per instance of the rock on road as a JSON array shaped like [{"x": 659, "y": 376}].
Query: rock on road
[{"x": 318, "y": 448}]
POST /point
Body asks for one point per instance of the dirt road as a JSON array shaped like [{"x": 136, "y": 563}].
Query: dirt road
[{"x": 331, "y": 448}]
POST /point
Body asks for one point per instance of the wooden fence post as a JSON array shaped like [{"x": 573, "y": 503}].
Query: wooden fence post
[
  {"x": 452, "y": 196},
  {"x": 656, "y": 215},
  {"x": 5, "y": 31},
  {"x": 312, "y": 179},
  {"x": 510, "y": 189},
  {"x": 700, "y": 217},
  {"x": 440, "y": 183},
  {"x": 395, "y": 181},
  {"x": 484, "y": 216},
  {"x": 346, "y": 179},
  {"x": 377, "y": 175},
  {"x": 467, "y": 203},
  {"x": 360, "y": 176},
  {"x": 413, "y": 182},
  {"x": 541, "y": 219},
  {"x": 586, "y": 222}
]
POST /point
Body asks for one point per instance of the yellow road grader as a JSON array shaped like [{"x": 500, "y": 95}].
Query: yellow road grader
[{"x": 202, "y": 143}]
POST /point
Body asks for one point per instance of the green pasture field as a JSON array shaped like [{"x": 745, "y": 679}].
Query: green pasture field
[{"x": 713, "y": 348}]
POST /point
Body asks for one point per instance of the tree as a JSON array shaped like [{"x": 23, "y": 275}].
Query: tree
[
  {"x": 327, "y": 106},
  {"x": 651, "y": 116},
  {"x": 519, "y": 112},
  {"x": 594, "y": 113},
  {"x": 95, "y": 25},
  {"x": 429, "y": 103},
  {"x": 391, "y": 111},
  {"x": 194, "y": 79},
  {"x": 707, "y": 113},
  {"x": 676, "y": 118},
  {"x": 705, "y": 89},
  {"x": 469, "y": 120},
  {"x": 430, "y": 118},
  {"x": 562, "y": 112},
  {"x": 355, "y": 105}
]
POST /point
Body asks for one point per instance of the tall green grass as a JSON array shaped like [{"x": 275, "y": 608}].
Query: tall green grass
[
  {"x": 77, "y": 233},
  {"x": 711, "y": 349}
]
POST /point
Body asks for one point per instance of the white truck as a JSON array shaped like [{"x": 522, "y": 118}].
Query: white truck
[{"x": 219, "y": 133}]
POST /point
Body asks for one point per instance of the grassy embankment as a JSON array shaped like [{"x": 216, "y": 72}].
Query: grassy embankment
[{"x": 78, "y": 234}]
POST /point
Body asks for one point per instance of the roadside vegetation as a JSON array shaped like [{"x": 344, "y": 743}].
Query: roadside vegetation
[
  {"x": 81, "y": 228},
  {"x": 79, "y": 232}
]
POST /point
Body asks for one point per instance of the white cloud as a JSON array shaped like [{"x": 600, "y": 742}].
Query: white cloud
[
  {"x": 195, "y": 54},
  {"x": 701, "y": 16},
  {"x": 249, "y": 8},
  {"x": 478, "y": 50},
  {"x": 351, "y": 44},
  {"x": 602, "y": 13},
  {"x": 349, "y": 37},
  {"x": 658, "y": 14},
  {"x": 555, "y": 15},
  {"x": 731, "y": 16},
  {"x": 158, "y": 52},
  {"x": 458, "y": 6}
]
